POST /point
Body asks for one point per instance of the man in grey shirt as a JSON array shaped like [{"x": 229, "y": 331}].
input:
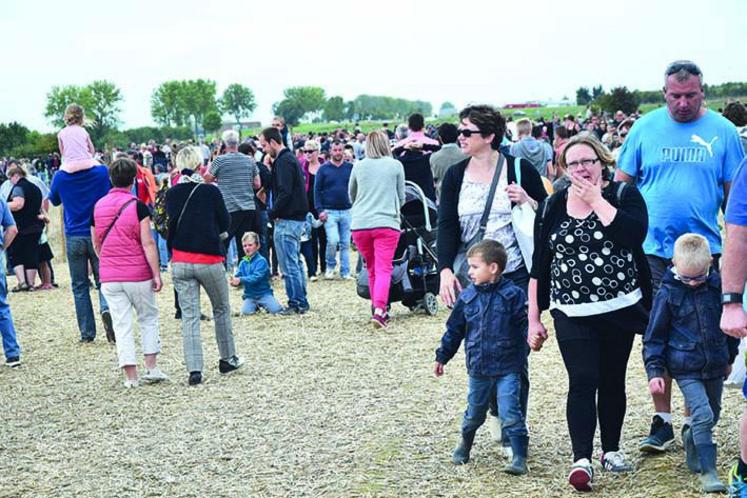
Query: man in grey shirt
[
  {"x": 449, "y": 155},
  {"x": 236, "y": 176},
  {"x": 528, "y": 147}
]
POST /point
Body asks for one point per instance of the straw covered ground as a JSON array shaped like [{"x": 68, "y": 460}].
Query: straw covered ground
[{"x": 324, "y": 406}]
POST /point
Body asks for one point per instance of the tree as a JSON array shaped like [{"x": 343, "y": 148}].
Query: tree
[
  {"x": 300, "y": 99},
  {"x": 59, "y": 97},
  {"x": 334, "y": 109},
  {"x": 212, "y": 121},
  {"x": 199, "y": 100},
  {"x": 583, "y": 96},
  {"x": 11, "y": 136},
  {"x": 103, "y": 107},
  {"x": 619, "y": 98},
  {"x": 596, "y": 92},
  {"x": 447, "y": 109},
  {"x": 237, "y": 101},
  {"x": 290, "y": 110},
  {"x": 167, "y": 104}
]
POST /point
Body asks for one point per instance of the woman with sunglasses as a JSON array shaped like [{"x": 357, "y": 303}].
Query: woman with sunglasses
[
  {"x": 314, "y": 249},
  {"x": 590, "y": 271},
  {"x": 464, "y": 191}
]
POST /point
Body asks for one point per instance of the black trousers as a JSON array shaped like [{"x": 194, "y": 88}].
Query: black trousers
[
  {"x": 241, "y": 222},
  {"x": 595, "y": 352}
]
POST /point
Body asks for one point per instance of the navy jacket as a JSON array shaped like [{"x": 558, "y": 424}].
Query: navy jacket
[
  {"x": 492, "y": 320},
  {"x": 683, "y": 335}
]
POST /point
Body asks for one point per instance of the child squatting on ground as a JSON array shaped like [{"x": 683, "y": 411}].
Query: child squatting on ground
[
  {"x": 489, "y": 316},
  {"x": 254, "y": 273},
  {"x": 684, "y": 340}
]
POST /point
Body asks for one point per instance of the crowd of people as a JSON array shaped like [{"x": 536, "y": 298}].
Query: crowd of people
[{"x": 609, "y": 222}]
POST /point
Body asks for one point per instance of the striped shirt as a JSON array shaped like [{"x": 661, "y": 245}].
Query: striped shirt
[{"x": 235, "y": 174}]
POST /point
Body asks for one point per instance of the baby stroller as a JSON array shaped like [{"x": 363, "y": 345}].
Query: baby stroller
[{"x": 415, "y": 278}]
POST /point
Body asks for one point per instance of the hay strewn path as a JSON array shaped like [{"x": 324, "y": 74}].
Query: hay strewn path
[{"x": 323, "y": 406}]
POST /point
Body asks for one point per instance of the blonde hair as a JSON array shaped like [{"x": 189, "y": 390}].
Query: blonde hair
[
  {"x": 251, "y": 237},
  {"x": 523, "y": 126},
  {"x": 311, "y": 144},
  {"x": 377, "y": 145},
  {"x": 692, "y": 251},
  {"x": 602, "y": 152},
  {"x": 74, "y": 115},
  {"x": 189, "y": 157}
]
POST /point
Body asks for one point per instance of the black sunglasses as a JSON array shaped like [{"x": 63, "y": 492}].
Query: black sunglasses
[
  {"x": 309, "y": 151},
  {"x": 687, "y": 66},
  {"x": 466, "y": 133}
]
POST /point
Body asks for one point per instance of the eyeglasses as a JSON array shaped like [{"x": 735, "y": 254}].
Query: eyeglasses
[
  {"x": 687, "y": 66},
  {"x": 696, "y": 278},
  {"x": 466, "y": 132},
  {"x": 584, "y": 162},
  {"x": 309, "y": 151}
]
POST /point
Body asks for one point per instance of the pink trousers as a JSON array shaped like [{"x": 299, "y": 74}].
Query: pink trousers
[{"x": 377, "y": 246}]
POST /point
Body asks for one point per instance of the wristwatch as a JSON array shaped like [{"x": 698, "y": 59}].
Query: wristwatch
[{"x": 731, "y": 298}]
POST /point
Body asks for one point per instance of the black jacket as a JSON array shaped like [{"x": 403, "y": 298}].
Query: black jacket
[
  {"x": 628, "y": 230},
  {"x": 205, "y": 218},
  {"x": 288, "y": 188},
  {"x": 449, "y": 230},
  {"x": 27, "y": 217}
]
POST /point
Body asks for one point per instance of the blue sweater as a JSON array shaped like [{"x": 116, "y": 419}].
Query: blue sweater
[
  {"x": 254, "y": 273},
  {"x": 331, "y": 187},
  {"x": 79, "y": 192},
  {"x": 492, "y": 321}
]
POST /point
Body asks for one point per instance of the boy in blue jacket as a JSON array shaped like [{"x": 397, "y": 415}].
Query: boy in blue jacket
[
  {"x": 490, "y": 317},
  {"x": 254, "y": 273},
  {"x": 684, "y": 340}
]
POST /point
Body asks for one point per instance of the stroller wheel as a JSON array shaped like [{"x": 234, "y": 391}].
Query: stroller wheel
[{"x": 430, "y": 303}]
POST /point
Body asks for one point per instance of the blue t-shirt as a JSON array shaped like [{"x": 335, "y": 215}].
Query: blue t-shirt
[
  {"x": 79, "y": 192},
  {"x": 6, "y": 220},
  {"x": 736, "y": 208},
  {"x": 680, "y": 169}
]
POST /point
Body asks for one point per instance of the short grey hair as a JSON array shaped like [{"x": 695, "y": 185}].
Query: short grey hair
[
  {"x": 230, "y": 137},
  {"x": 682, "y": 71}
]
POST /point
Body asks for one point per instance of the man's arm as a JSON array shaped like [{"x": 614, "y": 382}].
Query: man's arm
[
  {"x": 733, "y": 276},
  {"x": 9, "y": 235},
  {"x": 621, "y": 176}
]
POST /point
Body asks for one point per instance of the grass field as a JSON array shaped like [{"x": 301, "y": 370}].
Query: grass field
[{"x": 324, "y": 406}]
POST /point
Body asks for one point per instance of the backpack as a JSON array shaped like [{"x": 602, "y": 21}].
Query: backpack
[{"x": 160, "y": 216}]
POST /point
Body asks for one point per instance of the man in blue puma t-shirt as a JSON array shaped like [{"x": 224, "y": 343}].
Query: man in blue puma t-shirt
[{"x": 682, "y": 158}]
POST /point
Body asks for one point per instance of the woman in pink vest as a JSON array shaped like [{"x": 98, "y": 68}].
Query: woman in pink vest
[{"x": 128, "y": 267}]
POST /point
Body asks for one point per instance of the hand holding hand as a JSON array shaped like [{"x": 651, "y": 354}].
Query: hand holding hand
[
  {"x": 734, "y": 320},
  {"x": 536, "y": 335},
  {"x": 235, "y": 281}
]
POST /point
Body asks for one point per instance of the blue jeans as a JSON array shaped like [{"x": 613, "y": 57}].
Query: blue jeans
[
  {"x": 264, "y": 242},
  {"x": 163, "y": 250},
  {"x": 267, "y": 302},
  {"x": 703, "y": 399},
  {"x": 10, "y": 343},
  {"x": 507, "y": 390},
  {"x": 337, "y": 227},
  {"x": 79, "y": 253},
  {"x": 288, "y": 246}
]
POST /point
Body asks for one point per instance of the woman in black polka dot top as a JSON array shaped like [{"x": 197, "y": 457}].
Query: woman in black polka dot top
[{"x": 589, "y": 270}]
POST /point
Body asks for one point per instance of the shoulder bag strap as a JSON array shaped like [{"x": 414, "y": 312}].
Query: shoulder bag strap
[
  {"x": 491, "y": 193},
  {"x": 184, "y": 208},
  {"x": 119, "y": 213}
]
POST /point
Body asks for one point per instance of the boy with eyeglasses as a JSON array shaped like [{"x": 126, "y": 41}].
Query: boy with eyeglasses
[{"x": 684, "y": 340}]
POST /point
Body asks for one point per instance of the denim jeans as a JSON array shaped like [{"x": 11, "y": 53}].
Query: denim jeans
[
  {"x": 337, "y": 227},
  {"x": 703, "y": 399},
  {"x": 288, "y": 246},
  {"x": 264, "y": 241},
  {"x": 507, "y": 389},
  {"x": 8, "y": 331},
  {"x": 163, "y": 250},
  {"x": 79, "y": 253},
  {"x": 268, "y": 302}
]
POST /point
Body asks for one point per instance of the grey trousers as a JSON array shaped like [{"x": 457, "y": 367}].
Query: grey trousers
[{"x": 188, "y": 278}]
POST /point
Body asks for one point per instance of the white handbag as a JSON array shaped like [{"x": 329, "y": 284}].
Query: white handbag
[{"x": 522, "y": 221}]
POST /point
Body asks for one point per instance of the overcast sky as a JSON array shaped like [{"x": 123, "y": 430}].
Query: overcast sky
[{"x": 473, "y": 51}]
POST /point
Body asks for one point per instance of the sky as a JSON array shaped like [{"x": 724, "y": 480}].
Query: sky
[{"x": 492, "y": 52}]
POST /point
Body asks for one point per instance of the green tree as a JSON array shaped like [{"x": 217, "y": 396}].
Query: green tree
[
  {"x": 11, "y": 136},
  {"x": 167, "y": 104},
  {"x": 619, "y": 98},
  {"x": 212, "y": 121},
  {"x": 103, "y": 107},
  {"x": 199, "y": 99},
  {"x": 59, "y": 97},
  {"x": 238, "y": 101},
  {"x": 596, "y": 92},
  {"x": 303, "y": 99},
  {"x": 334, "y": 109},
  {"x": 290, "y": 110},
  {"x": 583, "y": 96},
  {"x": 447, "y": 108}
]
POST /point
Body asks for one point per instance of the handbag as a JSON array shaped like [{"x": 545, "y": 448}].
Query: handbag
[
  {"x": 522, "y": 222},
  {"x": 461, "y": 267}
]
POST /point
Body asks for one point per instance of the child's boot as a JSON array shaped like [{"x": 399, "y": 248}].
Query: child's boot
[
  {"x": 691, "y": 453},
  {"x": 461, "y": 453},
  {"x": 708, "y": 477},
  {"x": 518, "y": 465}
]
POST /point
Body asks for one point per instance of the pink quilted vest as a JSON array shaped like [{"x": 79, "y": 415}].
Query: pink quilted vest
[{"x": 121, "y": 258}]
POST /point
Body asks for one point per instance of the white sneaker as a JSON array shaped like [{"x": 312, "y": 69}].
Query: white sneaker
[
  {"x": 615, "y": 461},
  {"x": 581, "y": 475},
  {"x": 155, "y": 375},
  {"x": 329, "y": 275},
  {"x": 348, "y": 277},
  {"x": 494, "y": 424},
  {"x": 129, "y": 384}
]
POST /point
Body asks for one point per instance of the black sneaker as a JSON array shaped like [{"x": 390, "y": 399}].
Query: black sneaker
[
  {"x": 229, "y": 365},
  {"x": 106, "y": 318},
  {"x": 85, "y": 340},
  {"x": 302, "y": 309},
  {"x": 14, "y": 362},
  {"x": 289, "y": 310},
  {"x": 195, "y": 378},
  {"x": 660, "y": 438}
]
